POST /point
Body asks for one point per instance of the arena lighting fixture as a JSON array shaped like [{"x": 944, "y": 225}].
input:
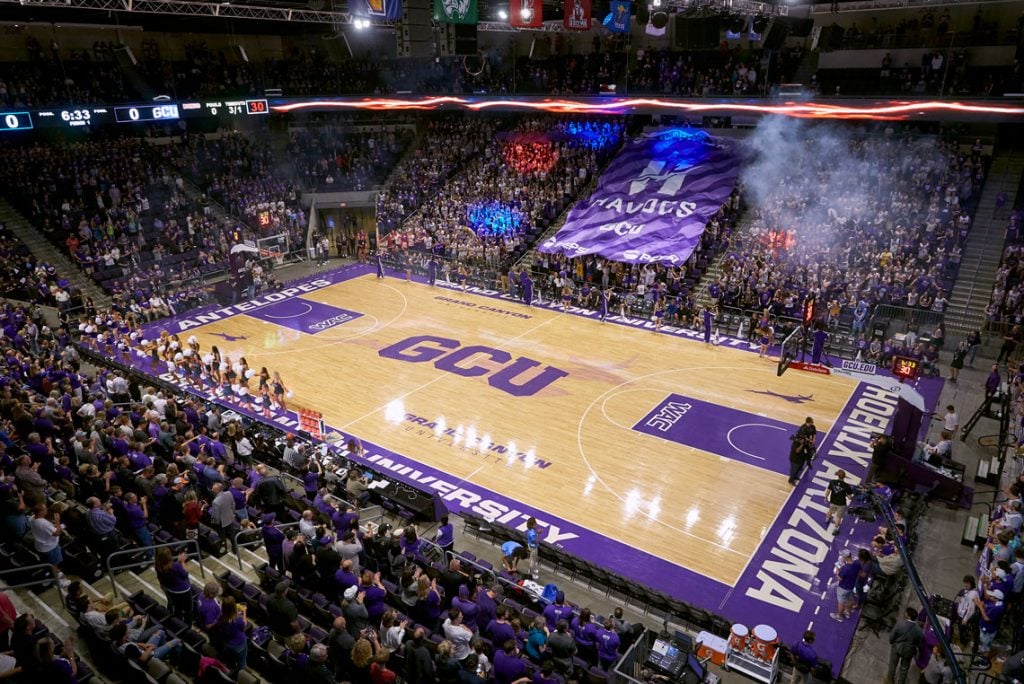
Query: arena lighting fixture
[
  {"x": 361, "y": 23},
  {"x": 503, "y": 15},
  {"x": 893, "y": 110}
]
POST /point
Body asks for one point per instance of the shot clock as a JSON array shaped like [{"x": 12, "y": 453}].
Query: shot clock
[
  {"x": 257, "y": 107},
  {"x": 905, "y": 368}
]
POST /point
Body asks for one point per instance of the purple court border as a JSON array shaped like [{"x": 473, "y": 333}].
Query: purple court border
[{"x": 786, "y": 582}]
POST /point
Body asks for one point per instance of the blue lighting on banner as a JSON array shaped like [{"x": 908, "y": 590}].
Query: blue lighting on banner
[
  {"x": 494, "y": 218},
  {"x": 683, "y": 147},
  {"x": 595, "y": 135}
]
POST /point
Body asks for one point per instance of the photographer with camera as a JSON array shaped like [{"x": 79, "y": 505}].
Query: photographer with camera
[{"x": 801, "y": 453}]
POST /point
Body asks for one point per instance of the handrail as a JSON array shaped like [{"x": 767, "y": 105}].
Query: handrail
[
  {"x": 54, "y": 578},
  {"x": 915, "y": 582},
  {"x": 376, "y": 513},
  {"x": 254, "y": 542},
  {"x": 139, "y": 564}
]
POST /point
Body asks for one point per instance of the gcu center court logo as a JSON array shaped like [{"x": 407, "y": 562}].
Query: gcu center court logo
[{"x": 518, "y": 378}]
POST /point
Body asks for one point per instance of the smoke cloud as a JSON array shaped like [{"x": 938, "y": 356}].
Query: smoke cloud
[{"x": 836, "y": 187}]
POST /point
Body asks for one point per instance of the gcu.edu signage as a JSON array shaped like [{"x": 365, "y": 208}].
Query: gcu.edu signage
[{"x": 859, "y": 366}]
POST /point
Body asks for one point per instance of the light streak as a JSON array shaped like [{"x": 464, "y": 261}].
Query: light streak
[{"x": 892, "y": 110}]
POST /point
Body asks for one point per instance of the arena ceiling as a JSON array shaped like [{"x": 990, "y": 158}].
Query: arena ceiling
[{"x": 251, "y": 16}]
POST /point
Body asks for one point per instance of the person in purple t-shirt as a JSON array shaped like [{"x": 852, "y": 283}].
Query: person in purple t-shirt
[
  {"x": 806, "y": 659},
  {"x": 499, "y": 630},
  {"x": 607, "y": 644},
  {"x": 508, "y": 666},
  {"x": 209, "y": 608},
  {"x": 847, "y": 574}
]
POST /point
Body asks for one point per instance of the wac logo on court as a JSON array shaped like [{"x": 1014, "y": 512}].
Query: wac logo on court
[{"x": 519, "y": 377}]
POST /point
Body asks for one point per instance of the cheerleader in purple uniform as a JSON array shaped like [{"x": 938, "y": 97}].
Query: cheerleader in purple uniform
[
  {"x": 659, "y": 313},
  {"x": 566, "y": 296},
  {"x": 766, "y": 337},
  {"x": 461, "y": 277}
]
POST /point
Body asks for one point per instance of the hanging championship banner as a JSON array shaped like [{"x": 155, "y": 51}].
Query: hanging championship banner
[{"x": 577, "y": 15}]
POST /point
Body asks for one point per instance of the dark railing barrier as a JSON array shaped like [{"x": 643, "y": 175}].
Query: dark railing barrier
[
  {"x": 138, "y": 564},
  {"x": 628, "y": 669},
  {"x": 52, "y": 579},
  {"x": 925, "y": 319}
]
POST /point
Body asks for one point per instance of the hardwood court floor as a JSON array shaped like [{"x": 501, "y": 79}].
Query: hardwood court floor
[{"x": 693, "y": 508}]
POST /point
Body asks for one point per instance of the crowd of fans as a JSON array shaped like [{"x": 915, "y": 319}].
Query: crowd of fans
[
  {"x": 925, "y": 28},
  {"x": 94, "y": 463},
  {"x": 120, "y": 215},
  {"x": 242, "y": 175},
  {"x": 80, "y": 77},
  {"x": 52, "y": 78},
  {"x": 25, "y": 278},
  {"x": 447, "y": 144},
  {"x": 332, "y": 158},
  {"x": 893, "y": 238},
  {"x": 504, "y": 197}
]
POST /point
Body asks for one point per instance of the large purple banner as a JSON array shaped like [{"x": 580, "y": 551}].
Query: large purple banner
[{"x": 653, "y": 202}]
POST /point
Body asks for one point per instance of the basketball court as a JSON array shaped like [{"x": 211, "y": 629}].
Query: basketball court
[
  {"x": 589, "y": 447},
  {"x": 654, "y": 453}
]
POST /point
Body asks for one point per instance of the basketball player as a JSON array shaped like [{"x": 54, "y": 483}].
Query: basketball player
[{"x": 380, "y": 265}]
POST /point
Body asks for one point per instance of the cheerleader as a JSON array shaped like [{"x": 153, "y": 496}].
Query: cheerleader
[
  {"x": 264, "y": 380},
  {"x": 207, "y": 369},
  {"x": 659, "y": 313},
  {"x": 767, "y": 332},
  {"x": 215, "y": 364},
  {"x": 178, "y": 363},
  {"x": 242, "y": 395},
  {"x": 263, "y": 400},
  {"x": 461, "y": 277},
  {"x": 280, "y": 391},
  {"x": 566, "y": 295}
]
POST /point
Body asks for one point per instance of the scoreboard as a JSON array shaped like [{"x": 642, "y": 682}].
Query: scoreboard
[{"x": 152, "y": 112}]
